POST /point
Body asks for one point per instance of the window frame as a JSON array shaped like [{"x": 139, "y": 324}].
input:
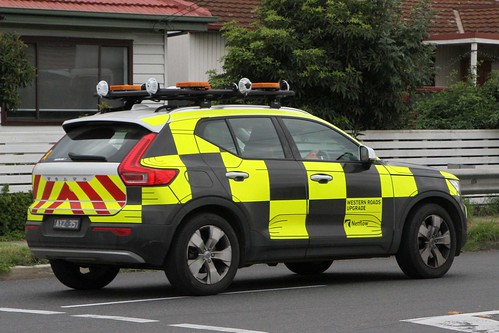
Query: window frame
[{"x": 36, "y": 41}]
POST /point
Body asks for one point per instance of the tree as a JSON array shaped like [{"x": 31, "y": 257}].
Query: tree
[
  {"x": 15, "y": 70},
  {"x": 346, "y": 59}
]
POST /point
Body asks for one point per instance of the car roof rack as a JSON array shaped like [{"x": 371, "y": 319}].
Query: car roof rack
[{"x": 199, "y": 93}]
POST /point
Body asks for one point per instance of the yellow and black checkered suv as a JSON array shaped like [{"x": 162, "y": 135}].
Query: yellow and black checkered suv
[{"x": 200, "y": 191}]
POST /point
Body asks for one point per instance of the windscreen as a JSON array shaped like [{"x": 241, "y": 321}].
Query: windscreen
[{"x": 96, "y": 143}]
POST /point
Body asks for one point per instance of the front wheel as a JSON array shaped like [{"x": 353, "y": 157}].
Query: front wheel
[
  {"x": 204, "y": 257},
  {"x": 309, "y": 268},
  {"x": 83, "y": 277},
  {"x": 428, "y": 243}
]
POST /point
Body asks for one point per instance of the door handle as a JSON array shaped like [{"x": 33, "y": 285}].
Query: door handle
[
  {"x": 238, "y": 176},
  {"x": 321, "y": 178}
]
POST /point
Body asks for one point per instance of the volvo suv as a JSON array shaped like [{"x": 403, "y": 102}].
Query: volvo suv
[{"x": 202, "y": 190}]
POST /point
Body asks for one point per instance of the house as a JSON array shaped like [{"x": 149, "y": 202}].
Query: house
[
  {"x": 465, "y": 33},
  {"x": 466, "y": 36},
  {"x": 187, "y": 58},
  {"x": 76, "y": 43}
]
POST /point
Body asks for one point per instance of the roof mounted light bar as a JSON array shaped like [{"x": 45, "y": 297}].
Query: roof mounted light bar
[{"x": 197, "y": 92}]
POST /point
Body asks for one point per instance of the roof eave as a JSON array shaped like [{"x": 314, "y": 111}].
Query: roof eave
[
  {"x": 59, "y": 18},
  {"x": 463, "y": 38}
]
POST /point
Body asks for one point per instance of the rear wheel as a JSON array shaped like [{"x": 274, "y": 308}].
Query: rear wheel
[
  {"x": 83, "y": 277},
  {"x": 309, "y": 268},
  {"x": 428, "y": 243},
  {"x": 204, "y": 257}
]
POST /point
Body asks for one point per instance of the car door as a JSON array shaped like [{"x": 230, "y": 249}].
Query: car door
[
  {"x": 263, "y": 178},
  {"x": 349, "y": 202}
]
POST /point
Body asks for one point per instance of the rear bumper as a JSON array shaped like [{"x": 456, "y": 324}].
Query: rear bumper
[{"x": 145, "y": 244}]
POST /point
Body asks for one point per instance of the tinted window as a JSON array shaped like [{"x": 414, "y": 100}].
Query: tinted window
[
  {"x": 318, "y": 142},
  {"x": 217, "y": 132},
  {"x": 97, "y": 143}
]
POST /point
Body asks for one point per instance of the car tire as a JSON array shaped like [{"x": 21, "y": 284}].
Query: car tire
[
  {"x": 83, "y": 277},
  {"x": 428, "y": 244},
  {"x": 309, "y": 268},
  {"x": 204, "y": 258}
]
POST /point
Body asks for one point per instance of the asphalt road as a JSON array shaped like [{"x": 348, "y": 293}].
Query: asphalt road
[{"x": 352, "y": 296}]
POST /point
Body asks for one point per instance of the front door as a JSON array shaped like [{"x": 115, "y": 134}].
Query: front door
[{"x": 349, "y": 202}]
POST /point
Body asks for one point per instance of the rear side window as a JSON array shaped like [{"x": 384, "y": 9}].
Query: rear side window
[
  {"x": 218, "y": 133},
  {"x": 97, "y": 143}
]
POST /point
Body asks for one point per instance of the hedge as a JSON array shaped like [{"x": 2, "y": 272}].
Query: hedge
[{"x": 13, "y": 209}]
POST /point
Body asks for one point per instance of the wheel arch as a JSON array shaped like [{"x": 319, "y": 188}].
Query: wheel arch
[{"x": 451, "y": 205}]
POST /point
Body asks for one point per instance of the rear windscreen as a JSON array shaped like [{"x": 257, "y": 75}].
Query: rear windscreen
[{"x": 96, "y": 143}]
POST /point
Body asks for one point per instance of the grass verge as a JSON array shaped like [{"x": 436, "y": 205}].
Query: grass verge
[
  {"x": 16, "y": 254},
  {"x": 483, "y": 233}
]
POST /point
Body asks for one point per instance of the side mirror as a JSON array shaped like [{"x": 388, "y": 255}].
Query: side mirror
[{"x": 367, "y": 155}]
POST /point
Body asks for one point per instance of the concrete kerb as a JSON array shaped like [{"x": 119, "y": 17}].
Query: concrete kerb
[{"x": 27, "y": 273}]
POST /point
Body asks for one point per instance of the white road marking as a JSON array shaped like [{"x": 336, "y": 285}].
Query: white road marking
[
  {"x": 273, "y": 289},
  {"x": 179, "y": 297},
  {"x": 122, "y": 302},
  {"x": 477, "y": 322},
  {"x": 40, "y": 312},
  {"x": 215, "y": 328},
  {"x": 118, "y": 318}
]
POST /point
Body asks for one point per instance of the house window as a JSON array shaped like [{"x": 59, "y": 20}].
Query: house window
[{"x": 67, "y": 73}]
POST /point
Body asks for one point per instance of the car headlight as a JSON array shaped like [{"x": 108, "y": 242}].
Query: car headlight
[{"x": 456, "y": 184}]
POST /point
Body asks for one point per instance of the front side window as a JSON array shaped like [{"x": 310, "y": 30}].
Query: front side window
[
  {"x": 67, "y": 72},
  {"x": 318, "y": 142}
]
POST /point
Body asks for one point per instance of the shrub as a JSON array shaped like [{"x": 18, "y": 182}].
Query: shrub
[
  {"x": 461, "y": 106},
  {"x": 13, "y": 208}
]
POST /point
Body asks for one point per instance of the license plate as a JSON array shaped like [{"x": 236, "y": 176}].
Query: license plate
[{"x": 67, "y": 223}]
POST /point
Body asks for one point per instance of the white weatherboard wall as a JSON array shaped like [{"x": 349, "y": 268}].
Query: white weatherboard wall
[
  {"x": 191, "y": 55},
  {"x": 149, "y": 57}
]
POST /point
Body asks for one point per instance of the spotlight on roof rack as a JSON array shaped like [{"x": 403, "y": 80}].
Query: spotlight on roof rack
[
  {"x": 152, "y": 86},
  {"x": 244, "y": 86},
  {"x": 102, "y": 88},
  {"x": 284, "y": 85}
]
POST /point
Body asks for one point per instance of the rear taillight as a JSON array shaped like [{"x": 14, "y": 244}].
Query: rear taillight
[{"x": 134, "y": 174}]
